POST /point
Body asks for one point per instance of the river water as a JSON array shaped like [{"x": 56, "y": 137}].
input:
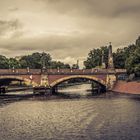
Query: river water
[{"x": 104, "y": 117}]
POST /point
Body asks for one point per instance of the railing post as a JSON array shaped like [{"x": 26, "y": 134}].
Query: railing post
[
  {"x": 13, "y": 69},
  {"x": 58, "y": 70},
  {"x": 28, "y": 69}
]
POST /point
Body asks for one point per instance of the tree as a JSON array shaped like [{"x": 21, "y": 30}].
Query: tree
[
  {"x": 40, "y": 60},
  {"x": 133, "y": 62},
  {"x": 119, "y": 59},
  {"x": 45, "y": 60},
  {"x": 138, "y": 41},
  {"x": 94, "y": 58},
  {"x": 127, "y": 57},
  {"x": 36, "y": 60},
  {"x": 3, "y": 62},
  {"x": 121, "y": 56},
  {"x": 13, "y": 63},
  {"x": 74, "y": 66},
  {"x": 58, "y": 64}
]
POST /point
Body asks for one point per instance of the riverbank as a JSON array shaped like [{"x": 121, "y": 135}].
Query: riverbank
[{"x": 127, "y": 87}]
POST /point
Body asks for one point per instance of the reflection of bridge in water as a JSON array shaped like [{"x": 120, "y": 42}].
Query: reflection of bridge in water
[{"x": 50, "y": 78}]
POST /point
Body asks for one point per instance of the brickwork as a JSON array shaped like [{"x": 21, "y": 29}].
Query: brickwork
[{"x": 127, "y": 87}]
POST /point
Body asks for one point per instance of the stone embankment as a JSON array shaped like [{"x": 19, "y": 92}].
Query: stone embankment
[{"x": 127, "y": 87}]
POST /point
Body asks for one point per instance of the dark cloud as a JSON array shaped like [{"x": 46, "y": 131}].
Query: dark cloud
[
  {"x": 106, "y": 8},
  {"x": 59, "y": 45},
  {"x": 67, "y": 28},
  {"x": 10, "y": 25}
]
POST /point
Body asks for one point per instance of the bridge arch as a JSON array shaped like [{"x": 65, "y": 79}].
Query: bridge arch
[
  {"x": 19, "y": 78},
  {"x": 58, "y": 81}
]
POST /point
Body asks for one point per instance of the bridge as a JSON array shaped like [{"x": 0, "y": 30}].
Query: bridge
[{"x": 50, "y": 78}]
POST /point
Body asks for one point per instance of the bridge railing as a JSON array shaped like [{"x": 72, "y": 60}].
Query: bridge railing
[
  {"x": 74, "y": 71},
  {"x": 61, "y": 71},
  {"x": 19, "y": 71}
]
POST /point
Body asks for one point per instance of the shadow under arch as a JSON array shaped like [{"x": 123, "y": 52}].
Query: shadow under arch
[
  {"x": 92, "y": 78},
  {"x": 17, "y": 78}
]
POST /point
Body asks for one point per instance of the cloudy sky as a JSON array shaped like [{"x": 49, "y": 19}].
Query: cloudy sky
[{"x": 67, "y": 29}]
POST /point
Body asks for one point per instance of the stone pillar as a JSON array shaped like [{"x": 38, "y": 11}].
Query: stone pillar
[
  {"x": 58, "y": 69},
  {"x": 110, "y": 81},
  {"x": 110, "y": 58},
  {"x": 103, "y": 63},
  {"x": 43, "y": 70},
  {"x": 44, "y": 80}
]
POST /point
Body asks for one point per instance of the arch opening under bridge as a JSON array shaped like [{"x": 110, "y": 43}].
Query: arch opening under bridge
[
  {"x": 101, "y": 83},
  {"x": 16, "y": 78},
  {"x": 15, "y": 83}
]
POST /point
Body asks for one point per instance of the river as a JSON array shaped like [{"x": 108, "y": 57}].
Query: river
[{"x": 104, "y": 117}]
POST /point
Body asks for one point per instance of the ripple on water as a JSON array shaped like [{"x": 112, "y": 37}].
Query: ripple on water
[{"x": 70, "y": 119}]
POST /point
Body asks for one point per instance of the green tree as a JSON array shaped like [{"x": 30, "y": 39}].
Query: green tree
[
  {"x": 13, "y": 63},
  {"x": 74, "y": 66},
  {"x": 119, "y": 58},
  {"x": 36, "y": 60},
  {"x": 45, "y": 60},
  {"x": 132, "y": 63},
  {"x": 94, "y": 58},
  {"x": 121, "y": 55},
  {"x": 3, "y": 62},
  {"x": 138, "y": 41},
  {"x": 58, "y": 64}
]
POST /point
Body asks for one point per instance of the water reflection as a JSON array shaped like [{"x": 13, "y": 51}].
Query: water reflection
[{"x": 81, "y": 90}]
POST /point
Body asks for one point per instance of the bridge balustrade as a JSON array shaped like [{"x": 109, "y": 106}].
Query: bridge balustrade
[
  {"x": 60, "y": 71},
  {"x": 19, "y": 71},
  {"x": 75, "y": 71}
]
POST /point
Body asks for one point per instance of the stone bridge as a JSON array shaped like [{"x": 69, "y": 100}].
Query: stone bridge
[{"x": 52, "y": 77}]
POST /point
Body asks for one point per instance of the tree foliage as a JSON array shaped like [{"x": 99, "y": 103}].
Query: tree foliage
[
  {"x": 4, "y": 62},
  {"x": 94, "y": 58},
  {"x": 127, "y": 57},
  {"x": 132, "y": 63},
  {"x": 35, "y": 61},
  {"x": 13, "y": 63},
  {"x": 58, "y": 64}
]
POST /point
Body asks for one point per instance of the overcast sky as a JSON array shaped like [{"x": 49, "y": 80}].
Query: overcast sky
[{"x": 67, "y": 29}]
